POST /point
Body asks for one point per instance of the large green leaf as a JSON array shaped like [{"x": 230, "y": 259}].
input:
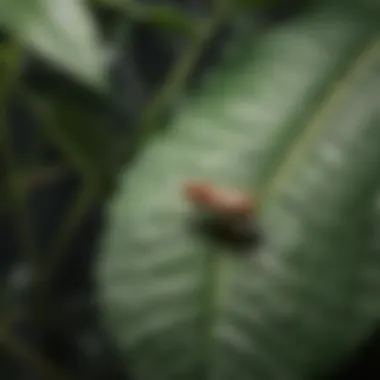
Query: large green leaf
[
  {"x": 295, "y": 119},
  {"x": 61, "y": 30}
]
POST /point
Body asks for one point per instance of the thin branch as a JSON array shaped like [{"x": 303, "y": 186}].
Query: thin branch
[
  {"x": 179, "y": 75},
  {"x": 17, "y": 191},
  {"x": 56, "y": 134},
  {"x": 163, "y": 16},
  {"x": 86, "y": 197},
  {"x": 94, "y": 184}
]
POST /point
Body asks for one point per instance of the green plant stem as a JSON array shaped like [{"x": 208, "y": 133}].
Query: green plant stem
[
  {"x": 178, "y": 76},
  {"x": 162, "y": 16},
  {"x": 315, "y": 125},
  {"x": 92, "y": 187},
  {"x": 86, "y": 198},
  {"x": 16, "y": 187},
  {"x": 57, "y": 136}
]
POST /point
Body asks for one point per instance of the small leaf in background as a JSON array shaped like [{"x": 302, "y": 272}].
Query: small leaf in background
[{"x": 62, "y": 31}]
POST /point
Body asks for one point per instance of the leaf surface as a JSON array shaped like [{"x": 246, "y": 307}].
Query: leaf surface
[
  {"x": 62, "y": 31},
  {"x": 294, "y": 118}
]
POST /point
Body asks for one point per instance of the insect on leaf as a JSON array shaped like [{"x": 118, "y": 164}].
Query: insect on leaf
[{"x": 294, "y": 119}]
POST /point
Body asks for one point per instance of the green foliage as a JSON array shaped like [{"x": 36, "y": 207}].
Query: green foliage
[
  {"x": 290, "y": 114},
  {"x": 294, "y": 119},
  {"x": 62, "y": 31},
  {"x": 166, "y": 17}
]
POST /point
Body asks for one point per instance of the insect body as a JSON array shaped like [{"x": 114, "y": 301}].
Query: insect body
[
  {"x": 228, "y": 202},
  {"x": 227, "y": 214}
]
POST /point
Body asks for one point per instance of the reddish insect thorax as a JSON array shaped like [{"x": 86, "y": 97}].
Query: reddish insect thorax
[{"x": 219, "y": 200}]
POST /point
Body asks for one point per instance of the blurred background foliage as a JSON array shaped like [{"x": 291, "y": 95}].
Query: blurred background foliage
[{"x": 83, "y": 83}]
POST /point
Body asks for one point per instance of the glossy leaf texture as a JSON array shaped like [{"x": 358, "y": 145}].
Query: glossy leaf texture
[
  {"x": 294, "y": 119},
  {"x": 62, "y": 31}
]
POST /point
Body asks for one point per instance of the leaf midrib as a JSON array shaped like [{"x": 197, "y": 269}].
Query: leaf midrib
[
  {"x": 288, "y": 161},
  {"x": 299, "y": 148}
]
